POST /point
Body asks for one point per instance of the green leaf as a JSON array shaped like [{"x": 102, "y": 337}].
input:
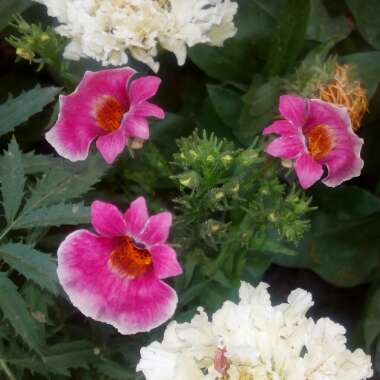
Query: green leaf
[
  {"x": 324, "y": 28},
  {"x": 63, "y": 356},
  {"x": 16, "y": 111},
  {"x": 289, "y": 36},
  {"x": 9, "y": 8},
  {"x": 227, "y": 104},
  {"x": 346, "y": 226},
  {"x": 368, "y": 68},
  {"x": 254, "y": 22},
  {"x": 12, "y": 180},
  {"x": 56, "y": 215},
  {"x": 65, "y": 182},
  {"x": 260, "y": 105},
  {"x": 366, "y": 14},
  {"x": 34, "y": 265},
  {"x": 15, "y": 311},
  {"x": 38, "y": 163},
  {"x": 113, "y": 370}
]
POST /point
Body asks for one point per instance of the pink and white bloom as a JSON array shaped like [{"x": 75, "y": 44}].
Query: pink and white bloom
[
  {"x": 106, "y": 106},
  {"x": 115, "y": 275},
  {"x": 316, "y": 134}
]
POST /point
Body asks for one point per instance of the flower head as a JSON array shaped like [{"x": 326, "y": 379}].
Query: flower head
[
  {"x": 345, "y": 92},
  {"x": 115, "y": 276},
  {"x": 316, "y": 134},
  {"x": 253, "y": 340},
  {"x": 107, "y": 107},
  {"x": 106, "y": 30}
]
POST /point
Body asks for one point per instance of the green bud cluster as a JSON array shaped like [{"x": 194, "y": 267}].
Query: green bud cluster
[
  {"x": 232, "y": 197},
  {"x": 38, "y": 45}
]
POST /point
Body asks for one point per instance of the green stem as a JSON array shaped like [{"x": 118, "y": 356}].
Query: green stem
[{"x": 6, "y": 369}]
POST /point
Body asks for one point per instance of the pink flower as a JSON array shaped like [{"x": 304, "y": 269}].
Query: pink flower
[
  {"x": 107, "y": 108},
  {"x": 316, "y": 134},
  {"x": 115, "y": 276}
]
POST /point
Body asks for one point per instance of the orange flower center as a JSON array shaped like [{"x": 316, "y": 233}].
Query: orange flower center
[
  {"x": 319, "y": 141},
  {"x": 108, "y": 113},
  {"x": 130, "y": 259}
]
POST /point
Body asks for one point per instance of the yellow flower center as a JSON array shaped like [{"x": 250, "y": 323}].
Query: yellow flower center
[{"x": 130, "y": 259}]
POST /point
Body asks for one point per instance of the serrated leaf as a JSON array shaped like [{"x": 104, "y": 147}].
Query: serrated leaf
[
  {"x": 12, "y": 180},
  {"x": 34, "y": 265},
  {"x": 16, "y": 111},
  {"x": 38, "y": 163},
  {"x": 64, "y": 356},
  {"x": 56, "y": 215},
  {"x": 65, "y": 182},
  {"x": 9, "y": 8},
  {"x": 16, "y": 312},
  {"x": 289, "y": 36}
]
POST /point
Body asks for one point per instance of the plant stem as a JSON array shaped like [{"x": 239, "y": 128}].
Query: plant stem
[{"x": 6, "y": 369}]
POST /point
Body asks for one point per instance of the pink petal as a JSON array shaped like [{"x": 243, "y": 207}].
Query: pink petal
[
  {"x": 294, "y": 109},
  {"x": 156, "y": 230},
  {"x": 147, "y": 109},
  {"x": 106, "y": 82},
  {"x": 142, "y": 304},
  {"x": 343, "y": 162},
  {"x": 342, "y": 165},
  {"x": 130, "y": 306},
  {"x": 308, "y": 171},
  {"x": 111, "y": 145},
  {"x": 281, "y": 127},
  {"x": 287, "y": 146},
  {"x": 76, "y": 127},
  {"x": 143, "y": 88},
  {"x": 136, "y": 127},
  {"x": 107, "y": 219},
  {"x": 74, "y": 130},
  {"x": 165, "y": 261},
  {"x": 136, "y": 216}
]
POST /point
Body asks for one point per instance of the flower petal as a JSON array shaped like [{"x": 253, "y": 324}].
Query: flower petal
[
  {"x": 144, "y": 304},
  {"x": 130, "y": 306},
  {"x": 76, "y": 127},
  {"x": 156, "y": 230},
  {"x": 343, "y": 165},
  {"x": 147, "y": 109},
  {"x": 136, "y": 216},
  {"x": 294, "y": 109},
  {"x": 287, "y": 146},
  {"x": 107, "y": 219},
  {"x": 111, "y": 145},
  {"x": 106, "y": 82},
  {"x": 74, "y": 130},
  {"x": 308, "y": 171},
  {"x": 143, "y": 88},
  {"x": 165, "y": 261},
  {"x": 343, "y": 162},
  {"x": 136, "y": 127},
  {"x": 281, "y": 127}
]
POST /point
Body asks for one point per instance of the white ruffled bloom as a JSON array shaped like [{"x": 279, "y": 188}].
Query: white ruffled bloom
[
  {"x": 107, "y": 30},
  {"x": 253, "y": 340}
]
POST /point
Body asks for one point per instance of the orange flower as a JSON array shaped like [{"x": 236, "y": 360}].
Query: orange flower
[{"x": 343, "y": 91}]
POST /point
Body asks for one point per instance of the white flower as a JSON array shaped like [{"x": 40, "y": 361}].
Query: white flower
[
  {"x": 253, "y": 340},
  {"x": 106, "y": 30}
]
